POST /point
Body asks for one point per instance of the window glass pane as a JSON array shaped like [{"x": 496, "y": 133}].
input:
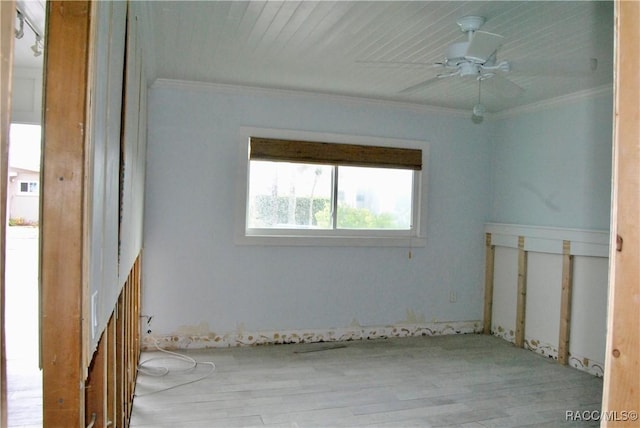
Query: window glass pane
[
  {"x": 289, "y": 195},
  {"x": 374, "y": 198}
]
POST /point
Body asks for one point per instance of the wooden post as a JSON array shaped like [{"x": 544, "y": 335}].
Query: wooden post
[
  {"x": 490, "y": 251},
  {"x": 63, "y": 201},
  {"x": 7, "y": 19},
  {"x": 622, "y": 358},
  {"x": 565, "y": 303},
  {"x": 522, "y": 293}
]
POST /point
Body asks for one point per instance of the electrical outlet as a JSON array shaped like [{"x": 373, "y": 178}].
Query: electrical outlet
[
  {"x": 453, "y": 297},
  {"x": 94, "y": 314}
]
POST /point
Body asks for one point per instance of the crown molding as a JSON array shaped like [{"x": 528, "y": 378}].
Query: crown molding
[
  {"x": 309, "y": 95},
  {"x": 378, "y": 102},
  {"x": 554, "y": 102}
]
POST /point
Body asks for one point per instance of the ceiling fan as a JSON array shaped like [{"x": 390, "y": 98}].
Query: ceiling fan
[{"x": 476, "y": 58}]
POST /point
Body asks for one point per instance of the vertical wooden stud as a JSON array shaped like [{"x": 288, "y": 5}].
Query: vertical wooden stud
[
  {"x": 63, "y": 201},
  {"x": 7, "y": 19},
  {"x": 96, "y": 386},
  {"x": 490, "y": 251},
  {"x": 119, "y": 369},
  {"x": 622, "y": 358},
  {"x": 565, "y": 303},
  {"x": 111, "y": 370},
  {"x": 522, "y": 293}
]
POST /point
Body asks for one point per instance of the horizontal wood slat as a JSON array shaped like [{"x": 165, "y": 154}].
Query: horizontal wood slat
[{"x": 334, "y": 153}]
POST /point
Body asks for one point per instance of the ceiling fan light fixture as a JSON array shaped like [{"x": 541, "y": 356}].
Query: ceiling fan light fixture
[
  {"x": 477, "y": 114},
  {"x": 479, "y": 110}
]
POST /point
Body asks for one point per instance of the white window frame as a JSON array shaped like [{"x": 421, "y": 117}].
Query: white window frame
[
  {"x": 414, "y": 237},
  {"x": 20, "y": 192}
]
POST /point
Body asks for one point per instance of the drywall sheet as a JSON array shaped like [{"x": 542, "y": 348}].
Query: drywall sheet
[
  {"x": 105, "y": 150},
  {"x": 542, "y": 314},
  {"x": 505, "y": 288},
  {"x": 589, "y": 311}
]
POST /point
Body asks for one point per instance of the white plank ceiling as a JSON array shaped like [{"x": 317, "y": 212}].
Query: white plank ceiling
[{"x": 358, "y": 48}]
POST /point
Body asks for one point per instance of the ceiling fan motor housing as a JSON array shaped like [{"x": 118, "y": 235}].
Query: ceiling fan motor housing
[{"x": 471, "y": 23}]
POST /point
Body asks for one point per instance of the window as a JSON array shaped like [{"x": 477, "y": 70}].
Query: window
[
  {"x": 29, "y": 187},
  {"x": 308, "y": 192}
]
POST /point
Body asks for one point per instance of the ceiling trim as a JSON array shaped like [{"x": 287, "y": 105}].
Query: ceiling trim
[
  {"x": 289, "y": 93},
  {"x": 554, "y": 102}
]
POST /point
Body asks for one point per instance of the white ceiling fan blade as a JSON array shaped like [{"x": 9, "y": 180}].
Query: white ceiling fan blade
[
  {"x": 502, "y": 87},
  {"x": 420, "y": 85},
  {"x": 568, "y": 67},
  {"x": 483, "y": 45},
  {"x": 398, "y": 63}
]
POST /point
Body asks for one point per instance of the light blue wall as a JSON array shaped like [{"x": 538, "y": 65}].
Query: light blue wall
[
  {"x": 195, "y": 273},
  {"x": 552, "y": 167}
]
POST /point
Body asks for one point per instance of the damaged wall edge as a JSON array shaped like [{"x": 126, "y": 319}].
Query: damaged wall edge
[{"x": 278, "y": 337}]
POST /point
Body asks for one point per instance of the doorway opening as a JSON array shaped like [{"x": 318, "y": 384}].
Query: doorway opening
[
  {"x": 22, "y": 293},
  {"x": 24, "y": 378}
]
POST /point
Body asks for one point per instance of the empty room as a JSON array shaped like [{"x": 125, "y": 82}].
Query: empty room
[{"x": 349, "y": 213}]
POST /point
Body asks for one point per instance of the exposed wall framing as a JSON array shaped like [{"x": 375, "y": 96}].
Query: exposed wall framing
[
  {"x": 90, "y": 308},
  {"x": 536, "y": 241},
  {"x": 112, "y": 374}
]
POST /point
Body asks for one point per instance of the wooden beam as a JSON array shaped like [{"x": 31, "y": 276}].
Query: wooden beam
[
  {"x": 622, "y": 358},
  {"x": 565, "y": 303},
  {"x": 62, "y": 231},
  {"x": 7, "y": 20},
  {"x": 490, "y": 251},
  {"x": 522, "y": 293}
]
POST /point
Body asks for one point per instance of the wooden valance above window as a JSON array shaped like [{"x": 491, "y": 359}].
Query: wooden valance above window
[{"x": 269, "y": 149}]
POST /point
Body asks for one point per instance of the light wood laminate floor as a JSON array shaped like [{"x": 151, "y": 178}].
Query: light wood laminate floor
[{"x": 447, "y": 381}]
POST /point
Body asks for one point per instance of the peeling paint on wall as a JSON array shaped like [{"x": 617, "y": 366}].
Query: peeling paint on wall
[
  {"x": 551, "y": 351},
  {"x": 183, "y": 339}
]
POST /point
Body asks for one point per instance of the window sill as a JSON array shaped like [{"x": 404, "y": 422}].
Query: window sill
[{"x": 332, "y": 241}]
